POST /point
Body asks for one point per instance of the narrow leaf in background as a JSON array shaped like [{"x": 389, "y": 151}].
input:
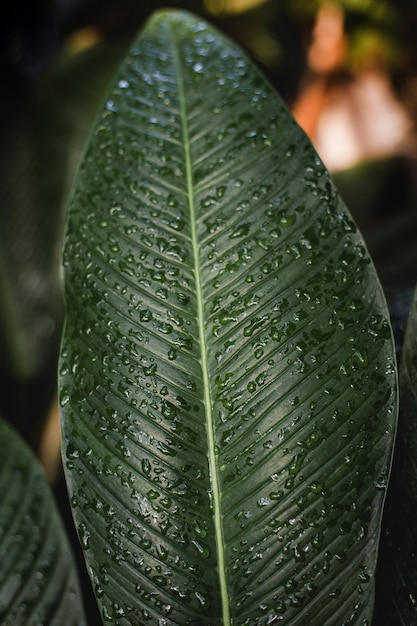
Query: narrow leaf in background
[
  {"x": 44, "y": 128},
  {"x": 227, "y": 373},
  {"x": 38, "y": 579}
]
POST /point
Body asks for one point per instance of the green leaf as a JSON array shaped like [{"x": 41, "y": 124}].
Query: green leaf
[
  {"x": 227, "y": 373},
  {"x": 38, "y": 580}
]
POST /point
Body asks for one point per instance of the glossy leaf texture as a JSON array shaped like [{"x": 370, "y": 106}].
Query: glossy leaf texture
[
  {"x": 38, "y": 580},
  {"x": 400, "y": 561},
  {"x": 227, "y": 374}
]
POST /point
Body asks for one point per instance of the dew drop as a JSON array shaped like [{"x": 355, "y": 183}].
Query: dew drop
[
  {"x": 172, "y": 201},
  {"x": 162, "y": 293},
  {"x": 168, "y": 410},
  {"x": 145, "y": 316},
  {"x": 381, "y": 482},
  {"x": 200, "y": 530},
  {"x": 262, "y": 502},
  {"x": 72, "y": 452},
  {"x": 361, "y": 358},
  {"x": 146, "y": 467},
  {"x": 182, "y": 298},
  {"x": 258, "y": 353},
  {"x": 64, "y": 398},
  {"x": 241, "y": 231},
  {"x": 204, "y": 602},
  {"x": 165, "y": 328},
  {"x": 162, "y": 552},
  {"x": 98, "y": 590},
  {"x": 295, "y": 465},
  {"x": 203, "y": 550},
  {"x": 110, "y": 106},
  {"x": 255, "y": 324},
  {"x": 172, "y": 354},
  {"x": 177, "y": 223},
  {"x": 284, "y": 219},
  {"x": 84, "y": 535}
]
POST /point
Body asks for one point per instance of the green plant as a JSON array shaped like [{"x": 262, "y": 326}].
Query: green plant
[
  {"x": 227, "y": 372},
  {"x": 38, "y": 577}
]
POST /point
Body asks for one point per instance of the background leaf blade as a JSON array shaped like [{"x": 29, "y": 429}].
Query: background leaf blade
[
  {"x": 292, "y": 354},
  {"x": 38, "y": 579}
]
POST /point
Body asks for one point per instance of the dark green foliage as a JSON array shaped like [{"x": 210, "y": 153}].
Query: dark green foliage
[{"x": 38, "y": 580}]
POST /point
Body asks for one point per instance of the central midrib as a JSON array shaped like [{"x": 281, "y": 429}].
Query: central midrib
[{"x": 218, "y": 526}]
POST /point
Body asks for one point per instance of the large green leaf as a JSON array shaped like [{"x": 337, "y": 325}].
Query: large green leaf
[
  {"x": 227, "y": 374},
  {"x": 38, "y": 580}
]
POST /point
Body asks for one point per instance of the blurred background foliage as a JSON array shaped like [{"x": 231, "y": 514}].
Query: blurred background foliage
[{"x": 346, "y": 68}]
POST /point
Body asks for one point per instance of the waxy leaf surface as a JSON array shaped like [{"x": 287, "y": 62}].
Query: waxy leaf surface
[{"x": 227, "y": 376}]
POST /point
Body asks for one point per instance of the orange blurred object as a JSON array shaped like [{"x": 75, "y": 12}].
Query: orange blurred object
[
  {"x": 328, "y": 48},
  {"x": 349, "y": 118}
]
